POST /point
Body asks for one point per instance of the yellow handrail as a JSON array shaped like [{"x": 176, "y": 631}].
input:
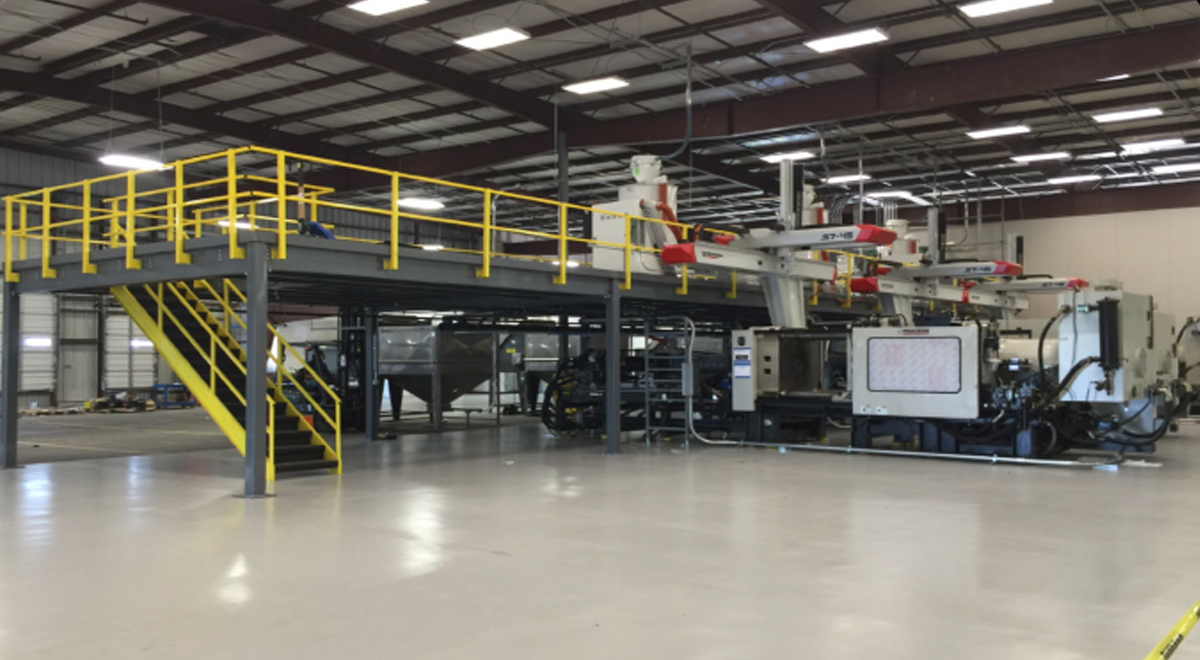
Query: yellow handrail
[
  {"x": 213, "y": 369},
  {"x": 147, "y": 210},
  {"x": 281, "y": 371}
]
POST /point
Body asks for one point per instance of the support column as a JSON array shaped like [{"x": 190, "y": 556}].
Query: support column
[
  {"x": 371, "y": 377},
  {"x": 564, "y": 340},
  {"x": 257, "y": 346},
  {"x": 10, "y": 382},
  {"x": 612, "y": 384}
]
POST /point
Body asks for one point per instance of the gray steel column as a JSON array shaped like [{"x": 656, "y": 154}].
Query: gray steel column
[
  {"x": 564, "y": 340},
  {"x": 612, "y": 385},
  {"x": 257, "y": 346},
  {"x": 371, "y": 377},
  {"x": 10, "y": 383}
]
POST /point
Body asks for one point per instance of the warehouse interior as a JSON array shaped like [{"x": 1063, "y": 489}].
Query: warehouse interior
[{"x": 650, "y": 328}]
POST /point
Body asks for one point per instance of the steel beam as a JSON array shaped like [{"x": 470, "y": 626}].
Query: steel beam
[
  {"x": 10, "y": 369},
  {"x": 612, "y": 364},
  {"x": 326, "y": 37},
  {"x": 257, "y": 346},
  {"x": 69, "y": 90}
]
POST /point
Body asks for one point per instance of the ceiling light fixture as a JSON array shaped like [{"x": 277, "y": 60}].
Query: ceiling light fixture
[
  {"x": 794, "y": 155},
  {"x": 1120, "y": 76},
  {"x": 1002, "y": 131},
  {"x": 1127, "y": 115},
  {"x": 1034, "y": 158},
  {"x": 493, "y": 39},
  {"x": 1138, "y": 148},
  {"x": 131, "y": 162},
  {"x": 848, "y": 178},
  {"x": 885, "y": 194},
  {"x": 381, "y": 7},
  {"x": 433, "y": 247},
  {"x": 241, "y": 224},
  {"x": 1177, "y": 169},
  {"x": 570, "y": 264},
  {"x": 993, "y": 7},
  {"x": 848, "y": 40},
  {"x": 38, "y": 342},
  {"x": 598, "y": 85},
  {"x": 1067, "y": 180},
  {"x": 420, "y": 203}
]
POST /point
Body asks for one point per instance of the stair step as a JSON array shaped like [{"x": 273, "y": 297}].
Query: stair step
[
  {"x": 298, "y": 453},
  {"x": 298, "y": 437},
  {"x": 300, "y": 466}
]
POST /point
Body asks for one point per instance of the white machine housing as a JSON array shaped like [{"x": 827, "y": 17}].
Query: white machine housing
[
  {"x": 637, "y": 199},
  {"x": 1147, "y": 346},
  {"x": 931, "y": 372}
]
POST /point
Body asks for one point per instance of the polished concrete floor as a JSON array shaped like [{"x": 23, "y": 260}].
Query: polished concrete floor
[{"x": 497, "y": 544}]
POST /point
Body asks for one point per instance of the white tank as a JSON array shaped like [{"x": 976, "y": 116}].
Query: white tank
[{"x": 645, "y": 168}]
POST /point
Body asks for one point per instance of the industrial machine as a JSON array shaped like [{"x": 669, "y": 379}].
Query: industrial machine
[{"x": 927, "y": 366}]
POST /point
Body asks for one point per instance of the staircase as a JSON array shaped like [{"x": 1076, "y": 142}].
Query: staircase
[{"x": 190, "y": 326}]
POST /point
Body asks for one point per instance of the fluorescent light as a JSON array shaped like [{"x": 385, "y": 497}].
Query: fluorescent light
[
  {"x": 241, "y": 224},
  {"x": 1177, "y": 169},
  {"x": 381, "y": 7},
  {"x": 421, "y": 203},
  {"x": 433, "y": 248},
  {"x": 1102, "y": 154},
  {"x": 597, "y": 85},
  {"x": 992, "y": 7},
  {"x": 570, "y": 264},
  {"x": 38, "y": 342},
  {"x": 1081, "y": 178},
  {"x": 130, "y": 162},
  {"x": 885, "y": 194},
  {"x": 493, "y": 39},
  {"x": 795, "y": 155},
  {"x": 988, "y": 133},
  {"x": 141, "y": 343},
  {"x": 848, "y": 178},
  {"x": 1153, "y": 145},
  {"x": 849, "y": 40},
  {"x": 1120, "y": 76},
  {"x": 1033, "y": 158},
  {"x": 1127, "y": 115}
]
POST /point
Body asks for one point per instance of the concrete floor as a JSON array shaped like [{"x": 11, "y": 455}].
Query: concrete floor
[{"x": 496, "y": 544}]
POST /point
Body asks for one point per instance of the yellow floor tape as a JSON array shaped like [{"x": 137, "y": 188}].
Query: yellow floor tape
[{"x": 1167, "y": 647}]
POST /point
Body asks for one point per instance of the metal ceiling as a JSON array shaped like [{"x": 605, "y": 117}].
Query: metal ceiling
[{"x": 182, "y": 77}]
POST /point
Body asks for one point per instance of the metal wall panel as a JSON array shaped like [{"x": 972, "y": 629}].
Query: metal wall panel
[
  {"x": 129, "y": 358},
  {"x": 39, "y": 330}
]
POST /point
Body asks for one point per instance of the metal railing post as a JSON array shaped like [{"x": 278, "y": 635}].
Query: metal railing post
[
  {"x": 24, "y": 230},
  {"x": 486, "y": 270},
  {"x": 114, "y": 223},
  {"x": 9, "y": 275},
  {"x": 683, "y": 272},
  {"x": 231, "y": 191},
  {"x": 88, "y": 267},
  {"x": 281, "y": 229},
  {"x": 131, "y": 261},
  {"x": 563, "y": 249},
  {"x": 177, "y": 218},
  {"x": 47, "y": 245},
  {"x": 628, "y": 284},
  {"x": 393, "y": 262}
]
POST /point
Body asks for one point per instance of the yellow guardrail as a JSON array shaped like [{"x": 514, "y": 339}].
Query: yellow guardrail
[
  {"x": 225, "y": 193},
  {"x": 281, "y": 371},
  {"x": 1169, "y": 644}
]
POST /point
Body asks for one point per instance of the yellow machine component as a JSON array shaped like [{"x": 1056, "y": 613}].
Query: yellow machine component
[
  {"x": 1169, "y": 644},
  {"x": 181, "y": 324}
]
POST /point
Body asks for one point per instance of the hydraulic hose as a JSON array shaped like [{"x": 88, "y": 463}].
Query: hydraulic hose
[
  {"x": 1062, "y": 311},
  {"x": 687, "y": 139}
]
